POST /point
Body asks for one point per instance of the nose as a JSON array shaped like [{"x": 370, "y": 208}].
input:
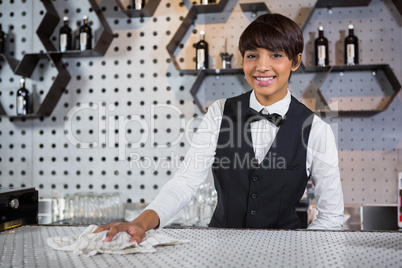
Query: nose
[{"x": 263, "y": 64}]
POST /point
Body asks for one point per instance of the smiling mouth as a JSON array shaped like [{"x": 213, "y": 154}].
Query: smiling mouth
[{"x": 263, "y": 79}]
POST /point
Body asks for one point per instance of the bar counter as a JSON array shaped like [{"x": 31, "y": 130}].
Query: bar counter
[{"x": 26, "y": 246}]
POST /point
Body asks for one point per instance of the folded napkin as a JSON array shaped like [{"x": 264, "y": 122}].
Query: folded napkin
[{"x": 89, "y": 243}]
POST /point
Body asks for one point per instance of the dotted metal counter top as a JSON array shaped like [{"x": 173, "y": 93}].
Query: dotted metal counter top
[{"x": 26, "y": 247}]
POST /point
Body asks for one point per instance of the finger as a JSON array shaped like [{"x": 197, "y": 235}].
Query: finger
[
  {"x": 103, "y": 228},
  {"x": 137, "y": 238},
  {"x": 116, "y": 228}
]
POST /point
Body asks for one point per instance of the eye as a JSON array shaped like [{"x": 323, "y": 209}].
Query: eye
[
  {"x": 277, "y": 55},
  {"x": 250, "y": 56}
]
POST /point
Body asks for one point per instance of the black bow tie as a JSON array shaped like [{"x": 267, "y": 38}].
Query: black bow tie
[{"x": 252, "y": 116}]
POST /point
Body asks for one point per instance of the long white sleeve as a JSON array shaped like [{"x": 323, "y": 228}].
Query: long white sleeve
[{"x": 322, "y": 163}]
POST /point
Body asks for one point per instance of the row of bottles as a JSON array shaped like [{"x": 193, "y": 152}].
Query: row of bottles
[
  {"x": 351, "y": 48},
  {"x": 351, "y": 51},
  {"x": 202, "y": 55},
  {"x": 84, "y": 36},
  {"x": 65, "y": 37}
]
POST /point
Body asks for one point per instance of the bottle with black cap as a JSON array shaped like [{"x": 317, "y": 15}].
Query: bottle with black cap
[
  {"x": 65, "y": 37},
  {"x": 85, "y": 35},
  {"x": 23, "y": 99},
  {"x": 321, "y": 49},
  {"x": 201, "y": 53},
  {"x": 351, "y": 48}
]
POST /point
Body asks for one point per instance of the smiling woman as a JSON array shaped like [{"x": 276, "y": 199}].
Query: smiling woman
[{"x": 263, "y": 126}]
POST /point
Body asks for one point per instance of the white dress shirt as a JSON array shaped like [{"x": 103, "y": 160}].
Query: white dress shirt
[{"x": 321, "y": 164}]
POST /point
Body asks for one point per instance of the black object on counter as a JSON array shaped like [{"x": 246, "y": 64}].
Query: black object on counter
[{"x": 18, "y": 206}]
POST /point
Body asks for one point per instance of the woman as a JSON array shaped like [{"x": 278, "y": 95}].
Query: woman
[{"x": 263, "y": 146}]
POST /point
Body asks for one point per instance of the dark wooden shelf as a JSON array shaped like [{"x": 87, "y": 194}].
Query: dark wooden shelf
[
  {"x": 147, "y": 11},
  {"x": 24, "y": 117},
  {"x": 389, "y": 74},
  {"x": 398, "y": 5},
  {"x": 213, "y": 71},
  {"x": 342, "y": 3},
  {"x": 29, "y": 61},
  {"x": 210, "y": 8},
  {"x": 254, "y": 7},
  {"x": 75, "y": 53}
]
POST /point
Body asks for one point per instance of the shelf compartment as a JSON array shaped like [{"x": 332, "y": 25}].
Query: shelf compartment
[
  {"x": 56, "y": 90},
  {"x": 51, "y": 17},
  {"x": 186, "y": 24},
  {"x": 200, "y": 78},
  {"x": 383, "y": 102},
  {"x": 389, "y": 74}
]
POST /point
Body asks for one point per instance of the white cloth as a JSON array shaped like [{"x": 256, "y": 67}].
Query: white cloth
[
  {"x": 321, "y": 164},
  {"x": 89, "y": 243}
]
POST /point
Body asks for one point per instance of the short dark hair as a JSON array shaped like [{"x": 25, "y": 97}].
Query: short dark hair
[{"x": 273, "y": 32}]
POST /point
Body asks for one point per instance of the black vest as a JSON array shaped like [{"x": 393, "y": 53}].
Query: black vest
[{"x": 264, "y": 195}]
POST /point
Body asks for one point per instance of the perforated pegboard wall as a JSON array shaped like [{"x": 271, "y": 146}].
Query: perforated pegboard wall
[{"x": 124, "y": 122}]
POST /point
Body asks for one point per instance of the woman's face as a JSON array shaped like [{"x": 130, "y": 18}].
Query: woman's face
[{"x": 268, "y": 73}]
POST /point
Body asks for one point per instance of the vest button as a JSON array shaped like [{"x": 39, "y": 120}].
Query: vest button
[
  {"x": 254, "y": 196},
  {"x": 253, "y": 212},
  {"x": 255, "y": 179}
]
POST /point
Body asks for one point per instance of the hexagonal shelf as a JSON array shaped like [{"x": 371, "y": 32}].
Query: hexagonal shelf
[
  {"x": 44, "y": 33},
  {"x": 378, "y": 106},
  {"x": 26, "y": 66},
  {"x": 364, "y": 104},
  {"x": 201, "y": 74},
  {"x": 186, "y": 24}
]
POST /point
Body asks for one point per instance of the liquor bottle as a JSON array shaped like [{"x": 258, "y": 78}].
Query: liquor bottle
[
  {"x": 65, "y": 36},
  {"x": 23, "y": 99},
  {"x": 85, "y": 35},
  {"x": 206, "y": 2},
  {"x": 351, "y": 48},
  {"x": 2, "y": 39},
  {"x": 202, "y": 53},
  {"x": 321, "y": 49},
  {"x": 226, "y": 58},
  {"x": 139, "y": 4}
]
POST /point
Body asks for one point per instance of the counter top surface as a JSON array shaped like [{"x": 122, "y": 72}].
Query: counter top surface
[{"x": 26, "y": 247}]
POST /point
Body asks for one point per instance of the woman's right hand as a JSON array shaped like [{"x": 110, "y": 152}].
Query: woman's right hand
[
  {"x": 136, "y": 231},
  {"x": 137, "y": 228}
]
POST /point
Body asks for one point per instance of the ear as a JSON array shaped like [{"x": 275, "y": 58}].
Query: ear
[{"x": 297, "y": 64}]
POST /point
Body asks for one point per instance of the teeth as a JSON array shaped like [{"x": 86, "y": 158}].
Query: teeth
[{"x": 264, "y": 78}]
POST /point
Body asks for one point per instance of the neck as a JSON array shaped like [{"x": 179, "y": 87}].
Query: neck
[{"x": 271, "y": 99}]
